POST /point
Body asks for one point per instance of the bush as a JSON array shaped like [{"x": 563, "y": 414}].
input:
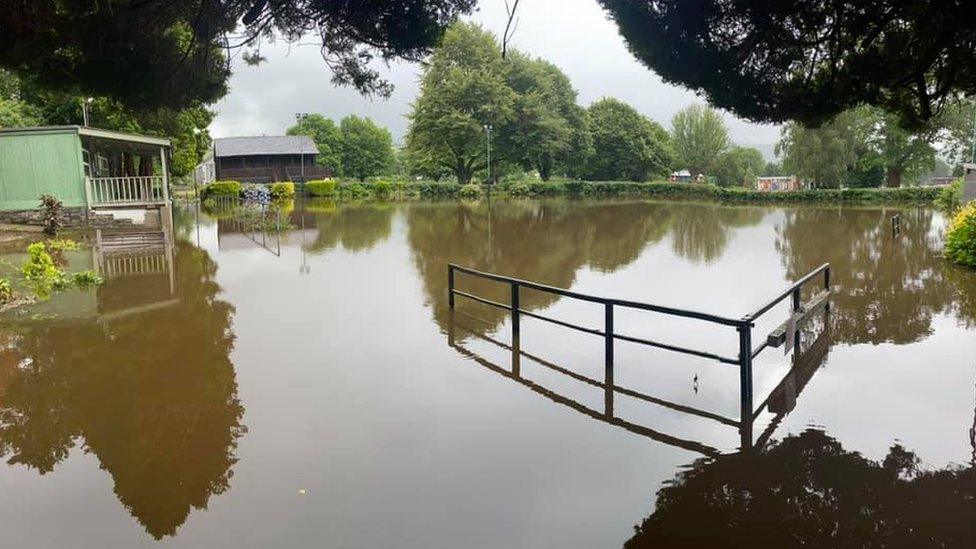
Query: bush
[
  {"x": 355, "y": 190},
  {"x": 961, "y": 237},
  {"x": 950, "y": 197},
  {"x": 40, "y": 266},
  {"x": 519, "y": 189},
  {"x": 221, "y": 188},
  {"x": 6, "y": 292},
  {"x": 282, "y": 189},
  {"x": 471, "y": 190},
  {"x": 61, "y": 245},
  {"x": 85, "y": 279},
  {"x": 382, "y": 188},
  {"x": 256, "y": 193},
  {"x": 51, "y": 211},
  {"x": 321, "y": 187}
]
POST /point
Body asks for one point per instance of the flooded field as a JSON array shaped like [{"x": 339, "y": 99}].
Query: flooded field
[{"x": 312, "y": 388}]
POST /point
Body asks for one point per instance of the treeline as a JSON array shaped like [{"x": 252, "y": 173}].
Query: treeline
[
  {"x": 356, "y": 147},
  {"x": 528, "y": 107}
]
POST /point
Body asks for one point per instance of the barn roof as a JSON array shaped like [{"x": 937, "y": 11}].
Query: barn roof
[{"x": 265, "y": 144}]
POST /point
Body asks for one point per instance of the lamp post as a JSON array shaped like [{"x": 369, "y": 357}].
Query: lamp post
[
  {"x": 84, "y": 109},
  {"x": 299, "y": 118},
  {"x": 488, "y": 129}
]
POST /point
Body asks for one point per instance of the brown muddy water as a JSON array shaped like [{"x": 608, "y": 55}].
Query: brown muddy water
[{"x": 313, "y": 389}]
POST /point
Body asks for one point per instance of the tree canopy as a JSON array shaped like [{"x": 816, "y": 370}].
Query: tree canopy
[
  {"x": 738, "y": 166},
  {"x": 327, "y": 137},
  {"x": 626, "y": 144},
  {"x": 367, "y": 149},
  {"x": 169, "y": 54},
  {"x": 699, "y": 137},
  {"x": 777, "y": 61}
]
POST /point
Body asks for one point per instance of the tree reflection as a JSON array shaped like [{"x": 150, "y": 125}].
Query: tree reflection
[
  {"x": 886, "y": 288},
  {"x": 354, "y": 227},
  {"x": 809, "y": 491},
  {"x": 545, "y": 242},
  {"x": 152, "y": 394},
  {"x": 700, "y": 232}
]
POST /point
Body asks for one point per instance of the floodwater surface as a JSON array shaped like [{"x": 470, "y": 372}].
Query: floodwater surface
[{"x": 312, "y": 388}]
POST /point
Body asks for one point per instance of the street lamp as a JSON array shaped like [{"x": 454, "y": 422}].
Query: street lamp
[
  {"x": 488, "y": 129},
  {"x": 84, "y": 109}
]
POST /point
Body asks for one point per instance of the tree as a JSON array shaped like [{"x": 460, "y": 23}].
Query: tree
[
  {"x": 699, "y": 137},
  {"x": 546, "y": 117},
  {"x": 738, "y": 166},
  {"x": 820, "y": 155},
  {"x": 462, "y": 90},
  {"x": 327, "y": 137},
  {"x": 367, "y": 149},
  {"x": 779, "y": 61},
  {"x": 24, "y": 103},
  {"x": 626, "y": 145},
  {"x": 169, "y": 54}
]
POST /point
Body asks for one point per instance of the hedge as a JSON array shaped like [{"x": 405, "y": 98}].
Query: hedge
[
  {"x": 221, "y": 188},
  {"x": 321, "y": 187},
  {"x": 282, "y": 190},
  {"x": 961, "y": 237}
]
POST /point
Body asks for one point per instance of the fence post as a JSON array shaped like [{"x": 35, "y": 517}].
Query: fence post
[
  {"x": 450, "y": 285},
  {"x": 516, "y": 328},
  {"x": 608, "y": 366},
  {"x": 745, "y": 383}
]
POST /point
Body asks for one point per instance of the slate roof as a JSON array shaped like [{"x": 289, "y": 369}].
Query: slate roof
[{"x": 270, "y": 144}]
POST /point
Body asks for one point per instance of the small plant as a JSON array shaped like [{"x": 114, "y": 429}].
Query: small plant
[
  {"x": 471, "y": 190},
  {"x": 85, "y": 279},
  {"x": 520, "y": 189},
  {"x": 282, "y": 190},
  {"x": 51, "y": 211},
  {"x": 221, "y": 188},
  {"x": 40, "y": 265},
  {"x": 61, "y": 245},
  {"x": 961, "y": 237},
  {"x": 382, "y": 188},
  {"x": 6, "y": 292},
  {"x": 321, "y": 187}
]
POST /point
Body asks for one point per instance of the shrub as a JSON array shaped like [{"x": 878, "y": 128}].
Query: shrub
[
  {"x": 321, "y": 187},
  {"x": 85, "y": 279},
  {"x": 6, "y": 292},
  {"x": 519, "y": 189},
  {"x": 61, "y": 245},
  {"x": 51, "y": 212},
  {"x": 221, "y": 188},
  {"x": 256, "y": 193},
  {"x": 961, "y": 237},
  {"x": 382, "y": 188},
  {"x": 950, "y": 197},
  {"x": 282, "y": 189},
  {"x": 355, "y": 190},
  {"x": 39, "y": 266},
  {"x": 471, "y": 190}
]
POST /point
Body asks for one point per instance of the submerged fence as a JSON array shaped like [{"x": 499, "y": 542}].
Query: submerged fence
[{"x": 744, "y": 326}]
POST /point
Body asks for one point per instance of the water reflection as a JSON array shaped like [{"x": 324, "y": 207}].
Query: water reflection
[
  {"x": 550, "y": 241},
  {"x": 149, "y": 390},
  {"x": 886, "y": 288},
  {"x": 808, "y": 490}
]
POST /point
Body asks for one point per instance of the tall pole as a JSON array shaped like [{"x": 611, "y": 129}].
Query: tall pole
[
  {"x": 972, "y": 153},
  {"x": 488, "y": 129},
  {"x": 84, "y": 111}
]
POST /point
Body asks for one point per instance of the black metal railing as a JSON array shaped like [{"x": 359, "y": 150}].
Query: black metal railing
[{"x": 744, "y": 326}]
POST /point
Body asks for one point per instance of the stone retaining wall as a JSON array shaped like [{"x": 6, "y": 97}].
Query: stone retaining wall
[{"x": 71, "y": 217}]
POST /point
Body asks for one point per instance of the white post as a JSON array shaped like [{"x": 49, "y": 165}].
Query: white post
[{"x": 162, "y": 158}]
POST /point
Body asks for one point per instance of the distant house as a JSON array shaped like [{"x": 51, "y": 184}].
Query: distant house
[
  {"x": 266, "y": 159},
  {"x": 83, "y": 167},
  {"x": 683, "y": 176},
  {"x": 778, "y": 183}
]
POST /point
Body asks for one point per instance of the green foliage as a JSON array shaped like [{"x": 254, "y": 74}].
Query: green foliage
[
  {"x": 85, "y": 279},
  {"x": 950, "y": 197},
  {"x": 738, "y": 167},
  {"x": 462, "y": 90},
  {"x": 221, "y": 188},
  {"x": 355, "y": 191},
  {"x": 321, "y": 187},
  {"x": 855, "y": 148},
  {"x": 58, "y": 245},
  {"x": 51, "y": 210},
  {"x": 699, "y": 137},
  {"x": 626, "y": 145},
  {"x": 960, "y": 245},
  {"x": 6, "y": 292},
  {"x": 282, "y": 190},
  {"x": 382, "y": 188},
  {"x": 519, "y": 189},
  {"x": 327, "y": 137},
  {"x": 41, "y": 270},
  {"x": 806, "y": 61},
  {"x": 367, "y": 149},
  {"x": 471, "y": 190}
]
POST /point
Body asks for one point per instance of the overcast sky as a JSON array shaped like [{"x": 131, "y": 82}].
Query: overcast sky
[{"x": 574, "y": 34}]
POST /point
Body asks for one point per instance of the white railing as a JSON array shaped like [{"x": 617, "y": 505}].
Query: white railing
[{"x": 126, "y": 191}]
